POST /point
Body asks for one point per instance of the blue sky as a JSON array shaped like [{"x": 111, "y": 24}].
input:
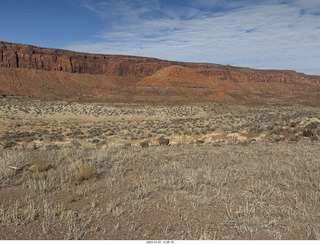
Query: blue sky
[{"x": 269, "y": 34}]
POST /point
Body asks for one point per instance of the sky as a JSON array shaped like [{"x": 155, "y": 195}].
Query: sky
[{"x": 263, "y": 34}]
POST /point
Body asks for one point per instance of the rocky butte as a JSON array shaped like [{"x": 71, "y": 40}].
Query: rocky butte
[{"x": 60, "y": 74}]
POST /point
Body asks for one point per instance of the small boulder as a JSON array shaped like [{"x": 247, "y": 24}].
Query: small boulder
[{"x": 199, "y": 142}]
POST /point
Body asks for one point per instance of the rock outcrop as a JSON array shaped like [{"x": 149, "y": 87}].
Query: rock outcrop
[
  {"x": 31, "y": 57},
  {"x": 42, "y": 72}
]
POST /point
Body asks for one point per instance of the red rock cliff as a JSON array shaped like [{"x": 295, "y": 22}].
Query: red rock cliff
[
  {"x": 31, "y": 57},
  {"x": 44, "y": 72}
]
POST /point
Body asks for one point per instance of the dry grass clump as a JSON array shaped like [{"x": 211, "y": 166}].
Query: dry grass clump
[
  {"x": 39, "y": 165},
  {"x": 12, "y": 166},
  {"x": 84, "y": 171},
  {"x": 40, "y": 180}
]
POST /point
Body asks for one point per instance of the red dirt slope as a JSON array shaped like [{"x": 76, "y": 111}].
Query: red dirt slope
[{"x": 49, "y": 73}]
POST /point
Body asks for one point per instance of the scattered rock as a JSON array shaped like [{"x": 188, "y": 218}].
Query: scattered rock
[
  {"x": 199, "y": 142},
  {"x": 144, "y": 144},
  {"x": 253, "y": 140}
]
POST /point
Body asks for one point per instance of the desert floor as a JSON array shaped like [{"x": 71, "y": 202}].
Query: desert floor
[{"x": 77, "y": 171}]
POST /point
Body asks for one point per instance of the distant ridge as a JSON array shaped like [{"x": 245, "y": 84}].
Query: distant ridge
[{"x": 61, "y": 74}]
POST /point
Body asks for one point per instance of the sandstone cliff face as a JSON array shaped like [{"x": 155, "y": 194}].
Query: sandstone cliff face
[
  {"x": 30, "y": 57},
  {"x": 43, "y": 72}
]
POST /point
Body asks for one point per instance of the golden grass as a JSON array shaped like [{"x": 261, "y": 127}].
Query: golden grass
[
  {"x": 39, "y": 166},
  {"x": 84, "y": 171},
  {"x": 258, "y": 191}
]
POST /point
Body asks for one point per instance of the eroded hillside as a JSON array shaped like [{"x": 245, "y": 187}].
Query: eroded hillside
[{"x": 60, "y": 74}]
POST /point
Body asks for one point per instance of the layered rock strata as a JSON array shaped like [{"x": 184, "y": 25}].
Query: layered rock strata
[{"x": 42, "y": 72}]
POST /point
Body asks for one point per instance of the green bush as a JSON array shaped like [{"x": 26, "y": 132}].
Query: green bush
[{"x": 308, "y": 133}]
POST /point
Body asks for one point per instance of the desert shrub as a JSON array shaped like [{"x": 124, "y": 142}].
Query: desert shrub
[
  {"x": 84, "y": 172},
  {"x": 277, "y": 131},
  {"x": 308, "y": 133},
  {"x": 41, "y": 183},
  {"x": 270, "y": 127},
  {"x": 40, "y": 180},
  {"x": 76, "y": 144},
  {"x": 8, "y": 143},
  {"x": 257, "y": 130},
  {"x": 313, "y": 125},
  {"x": 95, "y": 131},
  {"x": 95, "y": 141},
  {"x": 11, "y": 163},
  {"x": 144, "y": 144},
  {"x": 103, "y": 142},
  {"x": 39, "y": 165},
  {"x": 52, "y": 147},
  {"x": 16, "y": 136},
  {"x": 133, "y": 137},
  {"x": 293, "y": 124},
  {"x": 163, "y": 141}
]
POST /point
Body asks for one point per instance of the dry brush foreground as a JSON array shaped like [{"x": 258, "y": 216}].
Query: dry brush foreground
[{"x": 231, "y": 171}]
